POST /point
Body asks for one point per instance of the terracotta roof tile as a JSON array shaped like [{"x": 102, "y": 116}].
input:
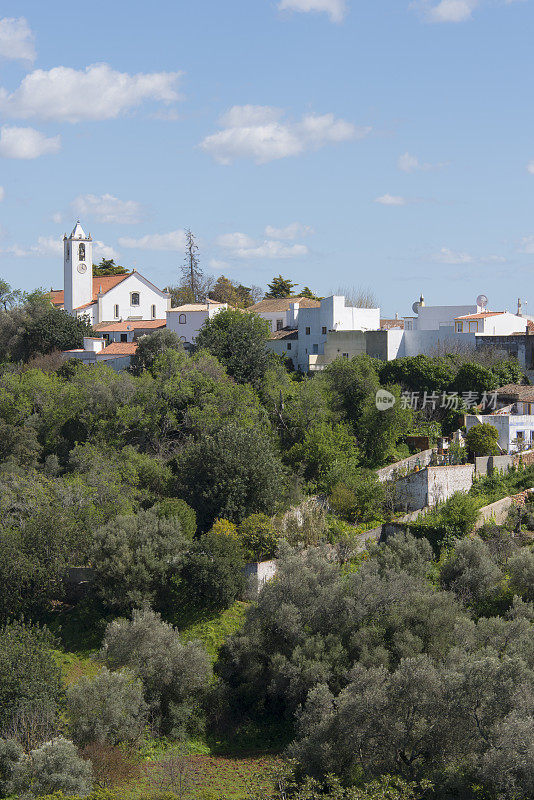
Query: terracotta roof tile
[
  {"x": 130, "y": 325},
  {"x": 270, "y": 305},
  {"x": 106, "y": 282},
  {"x": 285, "y": 333},
  {"x": 516, "y": 391},
  {"x": 119, "y": 349},
  {"x": 197, "y": 306},
  {"x": 481, "y": 315}
]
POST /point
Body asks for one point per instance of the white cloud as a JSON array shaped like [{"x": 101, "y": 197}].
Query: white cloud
[
  {"x": 235, "y": 241},
  {"x": 336, "y": 9},
  {"x": 52, "y": 246},
  {"x": 174, "y": 240},
  {"x": 2, "y": 193},
  {"x": 391, "y": 200},
  {"x": 107, "y": 208},
  {"x": 26, "y": 143},
  {"x": 242, "y": 246},
  {"x": 216, "y": 263},
  {"x": 447, "y": 256},
  {"x": 57, "y": 217},
  {"x": 446, "y": 10},
  {"x": 16, "y": 39},
  {"x": 259, "y": 132},
  {"x": 530, "y": 167},
  {"x": 96, "y": 93},
  {"x": 409, "y": 163},
  {"x": 292, "y": 231},
  {"x": 101, "y": 250},
  {"x": 527, "y": 245}
]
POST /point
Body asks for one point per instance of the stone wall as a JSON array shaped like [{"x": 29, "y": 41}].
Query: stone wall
[
  {"x": 445, "y": 481},
  {"x": 486, "y": 465},
  {"x": 433, "y": 485},
  {"x": 400, "y": 468},
  {"x": 257, "y": 574},
  {"x": 526, "y": 458},
  {"x": 496, "y": 512}
]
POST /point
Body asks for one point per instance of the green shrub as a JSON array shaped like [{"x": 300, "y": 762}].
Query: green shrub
[{"x": 55, "y": 766}]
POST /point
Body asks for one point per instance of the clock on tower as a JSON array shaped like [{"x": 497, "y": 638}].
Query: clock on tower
[{"x": 78, "y": 269}]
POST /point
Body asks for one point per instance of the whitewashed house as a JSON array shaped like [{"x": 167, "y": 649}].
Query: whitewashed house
[
  {"x": 108, "y": 298},
  {"x": 188, "y": 319},
  {"x": 117, "y": 355}
]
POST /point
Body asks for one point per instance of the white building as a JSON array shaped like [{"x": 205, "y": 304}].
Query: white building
[
  {"x": 300, "y": 327},
  {"x": 129, "y": 330},
  {"x": 282, "y": 312},
  {"x": 490, "y": 323},
  {"x": 187, "y": 320},
  {"x": 516, "y": 431},
  {"x": 114, "y": 297},
  {"x": 117, "y": 355}
]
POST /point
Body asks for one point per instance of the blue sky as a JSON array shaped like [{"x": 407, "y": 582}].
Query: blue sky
[{"x": 380, "y": 143}]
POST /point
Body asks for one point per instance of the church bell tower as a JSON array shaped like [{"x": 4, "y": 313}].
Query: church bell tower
[{"x": 78, "y": 268}]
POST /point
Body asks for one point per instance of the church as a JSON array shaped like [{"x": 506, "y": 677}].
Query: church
[{"x": 111, "y": 298}]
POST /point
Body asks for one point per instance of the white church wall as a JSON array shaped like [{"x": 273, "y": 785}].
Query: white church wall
[{"x": 121, "y": 296}]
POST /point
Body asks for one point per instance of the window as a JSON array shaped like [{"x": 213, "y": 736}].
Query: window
[
  {"x": 289, "y": 345},
  {"x": 124, "y": 337},
  {"x": 134, "y": 298},
  {"x": 345, "y": 355},
  {"x": 528, "y": 408},
  {"x": 182, "y": 319},
  {"x": 81, "y": 252},
  {"x": 323, "y": 329},
  {"x": 307, "y": 331},
  {"x": 315, "y": 350},
  {"x": 153, "y": 312},
  {"x": 279, "y": 324},
  {"x": 116, "y": 311},
  {"x": 459, "y": 327}
]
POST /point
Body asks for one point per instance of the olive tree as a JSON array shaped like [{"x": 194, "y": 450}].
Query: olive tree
[
  {"x": 174, "y": 674},
  {"x": 108, "y": 708}
]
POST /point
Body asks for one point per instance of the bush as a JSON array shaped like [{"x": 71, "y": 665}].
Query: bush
[
  {"x": 521, "y": 570},
  {"x": 212, "y": 573},
  {"x": 359, "y": 498},
  {"x": 174, "y": 675},
  {"x": 107, "y": 709},
  {"x": 171, "y": 508},
  {"x": 459, "y": 513},
  {"x": 29, "y": 674},
  {"x": 231, "y": 474},
  {"x": 133, "y": 557},
  {"x": 10, "y": 753},
  {"x": 112, "y": 766},
  {"x": 258, "y": 537},
  {"x": 54, "y": 767},
  {"x": 481, "y": 440}
]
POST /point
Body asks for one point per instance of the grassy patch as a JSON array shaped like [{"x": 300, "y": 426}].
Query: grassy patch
[
  {"x": 213, "y": 628},
  {"x": 74, "y": 666},
  {"x": 205, "y": 777}
]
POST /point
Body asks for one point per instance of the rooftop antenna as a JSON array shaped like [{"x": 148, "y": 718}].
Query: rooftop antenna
[{"x": 482, "y": 300}]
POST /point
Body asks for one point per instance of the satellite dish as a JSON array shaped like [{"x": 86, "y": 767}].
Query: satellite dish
[
  {"x": 415, "y": 307},
  {"x": 482, "y": 300}
]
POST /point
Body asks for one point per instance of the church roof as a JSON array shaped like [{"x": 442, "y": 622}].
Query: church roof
[
  {"x": 100, "y": 284},
  {"x": 78, "y": 232}
]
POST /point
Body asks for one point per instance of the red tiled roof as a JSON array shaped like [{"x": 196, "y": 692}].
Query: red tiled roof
[
  {"x": 388, "y": 324},
  {"x": 284, "y": 333},
  {"x": 481, "y": 315},
  {"x": 271, "y": 305},
  {"x": 129, "y": 325},
  {"x": 119, "y": 349},
  {"x": 103, "y": 283}
]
